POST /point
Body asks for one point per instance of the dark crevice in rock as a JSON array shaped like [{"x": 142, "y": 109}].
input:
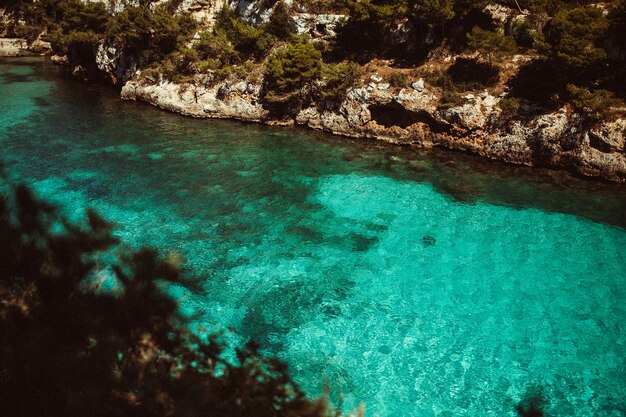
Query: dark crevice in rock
[
  {"x": 542, "y": 154},
  {"x": 599, "y": 144},
  {"x": 393, "y": 114}
]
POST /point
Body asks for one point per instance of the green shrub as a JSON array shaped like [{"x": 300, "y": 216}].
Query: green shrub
[
  {"x": 153, "y": 33},
  {"x": 573, "y": 38},
  {"x": 216, "y": 46},
  {"x": 244, "y": 70},
  {"x": 279, "y": 24},
  {"x": 527, "y": 34},
  {"x": 398, "y": 79},
  {"x": 450, "y": 91},
  {"x": 491, "y": 44},
  {"x": 472, "y": 74},
  {"x": 224, "y": 72},
  {"x": 250, "y": 42},
  {"x": 450, "y": 98},
  {"x": 291, "y": 68},
  {"x": 434, "y": 12},
  {"x": 70, "y": 21},
  {"x": 509, "y": 104},
  {"x": 510, "y": 107},
  {"x": 28, "y": 32},
  {"x": 337, "y": 80},
  {"x": 595, "y": 105}
]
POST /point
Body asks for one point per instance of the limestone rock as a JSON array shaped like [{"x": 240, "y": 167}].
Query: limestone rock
[
  {"x": 418, "y": 85},
  {"x": 473, "y": 114},
  {"x": 317, "y": 25},
  {"x": 13, "y": 47},
  {"x": 196, "y": 100},
  {"x": 415, "y": 101},
  {"x": 59, "y": 59},
  {"x": 499, "y": 14},
  {"x": 39, "y": 46},
  {"x": 113, "y": 61}
]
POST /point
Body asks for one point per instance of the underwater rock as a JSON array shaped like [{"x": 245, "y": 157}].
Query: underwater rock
[{"x": 428, "y": 240}]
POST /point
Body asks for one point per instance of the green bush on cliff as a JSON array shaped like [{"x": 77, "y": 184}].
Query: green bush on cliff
[
  {"x": 594, "y": 105},
  {"x": 231, "y": 44},
  {"x": 249, "y": 41},
  {"x": 216, "y": 46},
  {"x": 28, "y": 32},
  {"x": 433, "y": 12},
  {"x": 369, "y": 30},
  {"x": 491, "y": 44},
  {"x": 279, "y": 24},
  {"x": 69, "y": 21},
  {"x": 151, "y": 33},
  {"x": 292, "y": 68},
  {"x": 574, "y": 38},
  {"x": 337, "y": 79}
]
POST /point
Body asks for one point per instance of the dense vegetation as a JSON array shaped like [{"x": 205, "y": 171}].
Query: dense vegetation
[
  {"x": 69, "y": 348},
  {"x": 71, "y": 25},
  {"x": 581, "y": 44},
  {"x": 576, "y": 42}
]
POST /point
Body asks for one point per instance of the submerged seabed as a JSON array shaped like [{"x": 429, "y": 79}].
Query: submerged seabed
[{"x": 425, "y": 284}]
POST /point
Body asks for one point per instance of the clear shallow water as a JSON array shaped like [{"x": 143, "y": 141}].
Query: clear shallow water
[{"x": 425, "y": 284}]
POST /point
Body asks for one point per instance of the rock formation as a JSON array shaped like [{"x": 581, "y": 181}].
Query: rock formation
[{"x": 411, "y": 117}]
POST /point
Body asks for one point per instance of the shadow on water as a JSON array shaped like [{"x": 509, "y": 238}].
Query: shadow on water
[{"x": 470, "y": 179}]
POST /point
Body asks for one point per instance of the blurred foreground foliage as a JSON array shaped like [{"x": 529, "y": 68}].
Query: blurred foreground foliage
[{"x": 70, "y": 349}]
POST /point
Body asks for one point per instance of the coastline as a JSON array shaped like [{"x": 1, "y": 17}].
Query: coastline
[
  {"x": 14, "y": 47},
  {"x": 409, "y": 116},
  {"x": 555, "y": 140},
  {"x": 411, "y": 106}
]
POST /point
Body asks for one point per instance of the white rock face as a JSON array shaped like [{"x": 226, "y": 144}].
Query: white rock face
[
  {"x": 499, "y": 14},
  {"x": 317, "y": 25},
  {"x": 13, "y": 46},
  {"x": 416, "y": 101},
  {"x": 114, "y": 62},
  {"x": 474, "y": 113},
  {"x": 117, "y": 6},
  {"x": 202, "y": 10},
  {"x": 253, "y": 11},
  {"x": 610, "y": 137},
  {"x": 505, "y": 19},
  {"x": 225, "y": 101}
]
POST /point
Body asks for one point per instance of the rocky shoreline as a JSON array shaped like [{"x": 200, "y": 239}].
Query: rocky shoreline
[
  {"x": 411, "y": 116},
  {"x": 12, "y": 47}
]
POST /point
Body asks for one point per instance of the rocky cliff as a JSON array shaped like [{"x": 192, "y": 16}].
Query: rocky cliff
[{"x": 410, "y": 116}]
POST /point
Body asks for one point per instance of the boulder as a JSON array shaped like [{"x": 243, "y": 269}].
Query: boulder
[{"x": 418, "y": 85}]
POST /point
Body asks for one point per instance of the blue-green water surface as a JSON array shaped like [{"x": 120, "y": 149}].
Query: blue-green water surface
[{"x": 422, "y": 283}]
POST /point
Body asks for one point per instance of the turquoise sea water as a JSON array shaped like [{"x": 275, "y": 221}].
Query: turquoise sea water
[{"x": 421, "y": 283}]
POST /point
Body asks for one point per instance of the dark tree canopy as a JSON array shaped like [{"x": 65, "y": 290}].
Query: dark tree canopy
[{"x": 575, "y": 37}]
